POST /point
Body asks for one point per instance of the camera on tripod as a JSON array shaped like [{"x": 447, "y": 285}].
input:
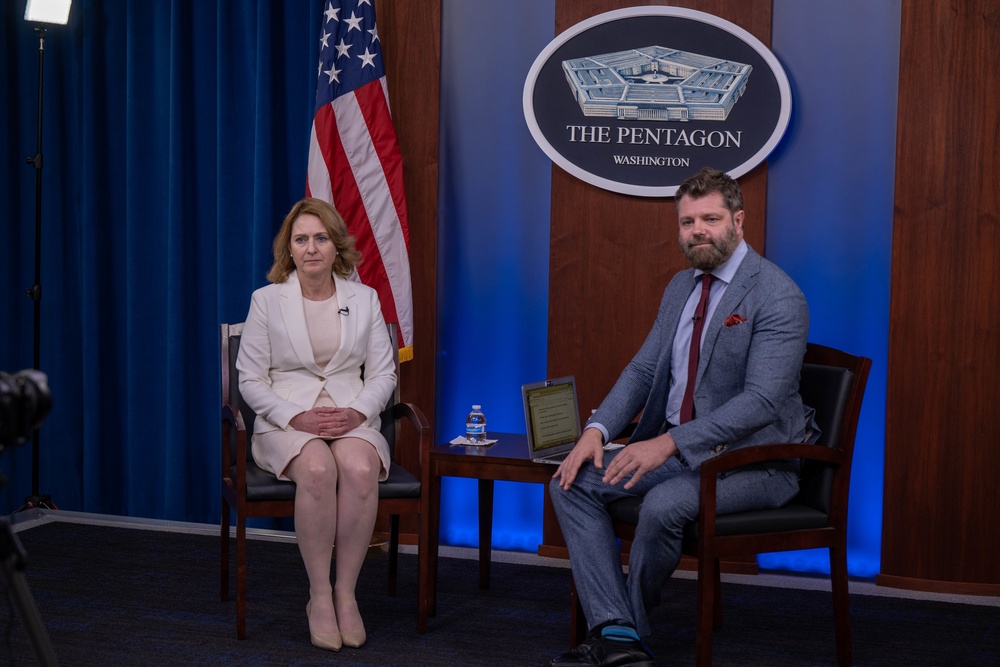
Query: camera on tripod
[{"x": 24, "y": 403}]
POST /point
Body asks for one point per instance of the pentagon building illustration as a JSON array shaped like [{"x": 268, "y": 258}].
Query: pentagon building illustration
[{"x": 656, "y": 83}]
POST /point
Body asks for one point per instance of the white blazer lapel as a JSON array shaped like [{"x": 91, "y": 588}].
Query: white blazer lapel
[
  {"x": 293, "y": 314},
  {"x": 350, "y": 309}
]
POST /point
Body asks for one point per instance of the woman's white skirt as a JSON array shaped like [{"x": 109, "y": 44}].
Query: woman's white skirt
[{"x": 274, "y": 450}]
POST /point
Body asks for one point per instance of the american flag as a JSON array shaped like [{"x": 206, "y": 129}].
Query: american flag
[{"x": 354, "y": 159}]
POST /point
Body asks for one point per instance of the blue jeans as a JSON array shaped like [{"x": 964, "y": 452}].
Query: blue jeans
[{"x": 670, "y": 501}]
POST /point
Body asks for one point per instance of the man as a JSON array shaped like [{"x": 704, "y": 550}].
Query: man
[{"x": 741, "y": 390}]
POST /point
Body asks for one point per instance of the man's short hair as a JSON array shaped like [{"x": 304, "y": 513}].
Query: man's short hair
[{"x": 709, "y": 180}]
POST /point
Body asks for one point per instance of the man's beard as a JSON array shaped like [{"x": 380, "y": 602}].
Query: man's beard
[{"x": 708, "y": 257}]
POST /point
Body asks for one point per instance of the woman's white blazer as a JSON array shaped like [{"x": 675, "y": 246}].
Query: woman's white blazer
[{"x": 279, "y": 377}]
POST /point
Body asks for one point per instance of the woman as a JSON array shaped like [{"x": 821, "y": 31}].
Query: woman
[{"x": 304, "y": 342}]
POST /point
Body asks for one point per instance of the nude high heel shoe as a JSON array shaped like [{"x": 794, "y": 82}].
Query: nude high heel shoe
[
  {"x": 328, "y": 642},
  {"x": 354, "y": 639}
]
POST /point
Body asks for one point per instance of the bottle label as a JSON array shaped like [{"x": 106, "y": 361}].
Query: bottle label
[{"x": 475, "y": 429}]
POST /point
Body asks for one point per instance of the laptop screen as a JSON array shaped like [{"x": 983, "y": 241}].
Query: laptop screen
[{"x": 551, "y": 414}]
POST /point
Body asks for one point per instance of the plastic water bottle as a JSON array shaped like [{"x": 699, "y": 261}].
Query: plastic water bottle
[{"x": 475, "y": 426}]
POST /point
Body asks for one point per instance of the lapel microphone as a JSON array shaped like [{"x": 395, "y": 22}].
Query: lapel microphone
[{"x": 344, "y": 311}]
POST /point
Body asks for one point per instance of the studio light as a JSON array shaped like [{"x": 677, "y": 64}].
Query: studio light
[{"x": 47, "y": 11}]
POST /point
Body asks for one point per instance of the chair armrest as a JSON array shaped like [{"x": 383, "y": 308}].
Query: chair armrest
[
  {"x": 415, "y": 416},
  {"x": 760, "y": 453},
  {"x": 233, "y": 419},
  {"x": 737, "y": 458}
]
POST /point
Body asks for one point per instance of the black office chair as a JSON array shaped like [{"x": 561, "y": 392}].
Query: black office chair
[
  {"x": 832, "y": 382},
  {"x": 252, "y": 492}
]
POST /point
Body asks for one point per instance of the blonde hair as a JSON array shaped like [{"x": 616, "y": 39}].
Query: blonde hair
[{"x": 347, "y": 255}]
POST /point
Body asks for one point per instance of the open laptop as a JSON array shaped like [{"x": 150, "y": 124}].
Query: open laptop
[{"x": 551, "y": 418}]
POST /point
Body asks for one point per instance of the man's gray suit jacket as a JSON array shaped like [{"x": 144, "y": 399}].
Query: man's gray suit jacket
[{"x": 746, "y": 390}]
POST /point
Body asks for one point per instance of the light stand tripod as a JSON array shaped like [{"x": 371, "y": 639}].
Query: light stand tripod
[{"x": 35, "y": 291}]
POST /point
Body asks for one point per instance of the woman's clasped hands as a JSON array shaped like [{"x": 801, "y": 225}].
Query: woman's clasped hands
[{"x": 327, "y": 422}]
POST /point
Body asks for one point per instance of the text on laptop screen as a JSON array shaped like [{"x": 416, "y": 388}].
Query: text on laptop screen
[{"x": 553, "y": 416}]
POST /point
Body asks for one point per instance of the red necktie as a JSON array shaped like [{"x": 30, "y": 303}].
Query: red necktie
[{"x": 687, "y": 403}]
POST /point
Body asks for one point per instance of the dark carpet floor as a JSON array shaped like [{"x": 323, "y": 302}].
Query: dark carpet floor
[{"x": 126, "y": 596}]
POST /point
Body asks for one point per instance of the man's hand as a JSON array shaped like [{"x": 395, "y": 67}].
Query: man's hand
[
  {"x": 327, "y": 422},
  {"x": 639, "y": 458},
  {"x": 590, "y": 447}
]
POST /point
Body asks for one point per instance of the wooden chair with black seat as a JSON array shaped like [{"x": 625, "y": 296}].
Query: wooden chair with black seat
[
  {"x": 833, "y": 383},
  {"x": 254, "y": 493}
]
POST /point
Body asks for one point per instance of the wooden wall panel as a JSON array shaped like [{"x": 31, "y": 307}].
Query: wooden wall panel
[
  {"x": 612, "y": 255},
  {"x": 411, "y": 35},
  {"x": 941, "y": 496}
]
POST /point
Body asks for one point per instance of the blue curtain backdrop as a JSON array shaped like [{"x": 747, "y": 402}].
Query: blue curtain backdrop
[{"x": 175, "y": 139}]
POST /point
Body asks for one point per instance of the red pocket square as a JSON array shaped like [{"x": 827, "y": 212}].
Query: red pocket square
[{"x": 734, "y": 319}]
